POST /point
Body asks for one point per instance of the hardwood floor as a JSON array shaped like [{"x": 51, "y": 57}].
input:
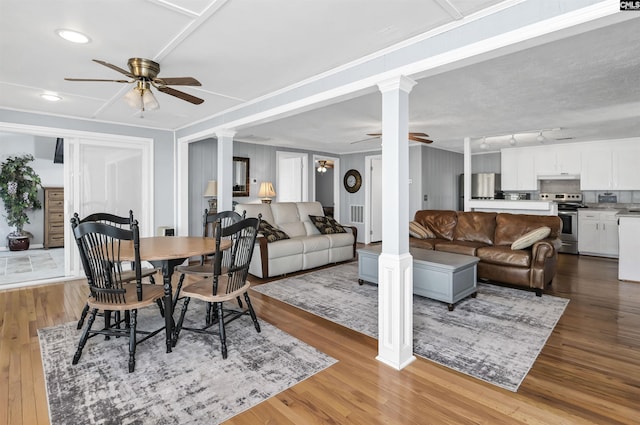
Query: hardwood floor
[{"x": 588, "y": 372}]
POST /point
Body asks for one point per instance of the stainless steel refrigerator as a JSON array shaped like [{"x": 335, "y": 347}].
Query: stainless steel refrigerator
[{"x": 483, "y": 186}]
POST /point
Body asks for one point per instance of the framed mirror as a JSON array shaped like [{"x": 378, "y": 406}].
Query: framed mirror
[{"x": 240, "y": 176}]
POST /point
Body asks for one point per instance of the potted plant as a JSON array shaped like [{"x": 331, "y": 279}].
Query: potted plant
[{"x": 19, "y": 185}]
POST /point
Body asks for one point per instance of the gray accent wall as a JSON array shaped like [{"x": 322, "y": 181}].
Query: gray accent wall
[
  {"x": 486, "y": 162},
  {"x": 440, "y": 170}
]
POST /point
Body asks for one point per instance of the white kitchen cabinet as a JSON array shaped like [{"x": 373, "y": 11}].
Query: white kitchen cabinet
[
  {"x": 610, "y": 165},
  {"x": 626, "y": 166},
  {"x": 597, "y": 172},
  {"x": 629, "y": 262},
  {"x": 518, "y": 170},
  {"x": 556, "y": 160},
  {"x": 598, "y": 232}
]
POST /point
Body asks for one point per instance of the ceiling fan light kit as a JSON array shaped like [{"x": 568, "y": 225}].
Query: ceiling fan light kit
[
  {"x": 322, "y": 168},
  {"x": 141, "y": 97}
]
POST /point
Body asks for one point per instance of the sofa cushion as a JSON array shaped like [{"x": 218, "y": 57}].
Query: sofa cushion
[
  {"x": 286, "y": 248},
  {"x": 271, "y": 233},
  {"x": 340, "y": 239},
  {"x": 441, "y": 222},
  {"x": 417, "y": 230},
  {"x": 510, "y": 227},
  {"x": 315, "y": 243},
  {"x": 254, "y": 210},
  {"x": 504, "y": 255},
  {"x": 326, "y": 225},
  {"x": 287, "y": 218},
  {"x": 424, "y": 243},
  {"x": 305, "y": 209},
  {"x": 459, "y": 247},
  {"x": 475, "y": 227},
  {"x": 531, "y": 237}
]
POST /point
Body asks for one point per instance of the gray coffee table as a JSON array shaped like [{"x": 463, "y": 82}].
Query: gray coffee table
[{"x": 438, "y": 275}]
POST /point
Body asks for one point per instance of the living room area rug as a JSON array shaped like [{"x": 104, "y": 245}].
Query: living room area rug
[
  {"x": 495, "y": 337},
  {"x": 191, "y": 385}
]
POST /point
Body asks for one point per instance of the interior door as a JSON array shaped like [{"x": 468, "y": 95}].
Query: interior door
[
  {"x": 291, "y": 181},
  {"x": 376, "y": 199},
  {"x": 107, "y": 176}
]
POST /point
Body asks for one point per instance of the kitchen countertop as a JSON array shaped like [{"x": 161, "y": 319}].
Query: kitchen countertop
[
  {"x": 528, "y": 206},
  {"x": 628, "y": 213}
]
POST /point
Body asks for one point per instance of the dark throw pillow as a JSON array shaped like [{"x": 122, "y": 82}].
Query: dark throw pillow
[
  {"x": 326, "y": 225},
  {"x": 271, "y": 233}
]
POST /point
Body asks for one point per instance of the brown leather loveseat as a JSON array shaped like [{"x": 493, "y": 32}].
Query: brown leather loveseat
[{"x": 488, "y": 236}]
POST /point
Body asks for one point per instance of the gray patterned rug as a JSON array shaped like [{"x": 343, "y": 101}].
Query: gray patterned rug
[
  {"x": 495, "y": 337},
  {"x": 191, "y": 385}
]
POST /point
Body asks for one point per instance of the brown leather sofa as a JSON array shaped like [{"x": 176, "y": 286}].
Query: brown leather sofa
[{"x": 489, "y": 236}]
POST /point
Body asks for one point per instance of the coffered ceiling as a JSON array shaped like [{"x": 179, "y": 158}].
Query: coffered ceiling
[{"x": 582, "y": 85}]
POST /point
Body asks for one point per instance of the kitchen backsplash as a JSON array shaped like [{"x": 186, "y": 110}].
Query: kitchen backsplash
[{"x": 624, "y": 197}]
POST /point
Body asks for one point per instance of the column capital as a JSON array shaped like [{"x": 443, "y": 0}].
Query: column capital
[
  {"x": 400, "y": 82},
  {"x": 225, "y": 133}
]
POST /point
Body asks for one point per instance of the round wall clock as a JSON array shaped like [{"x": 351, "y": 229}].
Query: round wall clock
[{"x": 352, "y": 181}]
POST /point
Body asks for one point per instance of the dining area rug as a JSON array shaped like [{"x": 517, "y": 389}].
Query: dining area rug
[
  {"x": 190, "y": 385},
  {"x": 495, "y": 337}
]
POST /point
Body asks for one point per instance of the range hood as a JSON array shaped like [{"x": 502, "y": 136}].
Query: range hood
[{"x": 559, "y": 177}]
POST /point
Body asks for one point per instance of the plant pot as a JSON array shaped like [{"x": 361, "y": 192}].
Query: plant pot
[{"x": 18, "y": 243}]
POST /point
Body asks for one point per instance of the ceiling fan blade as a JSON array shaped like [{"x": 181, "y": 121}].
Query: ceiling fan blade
[
  {"x": 374, "y": 134},
  {"x": 95, "y": 79},
  {"x": 419, "y": 139},
  {"x": 115, "y": 68},
  {"x": 419, "y": 134},
  {"x": 364, "y": 140},
  {"x": 180, "y": 95},
  {"x": 177, "y": 81}
]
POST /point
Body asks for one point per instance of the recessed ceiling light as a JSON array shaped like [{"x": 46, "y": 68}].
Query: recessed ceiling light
[
  {"x": 73, "y": 36},
  {"x": 50, "y": 97}
]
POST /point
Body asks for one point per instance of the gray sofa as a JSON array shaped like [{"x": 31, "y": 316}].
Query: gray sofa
[{"x": 306, "y": 247}]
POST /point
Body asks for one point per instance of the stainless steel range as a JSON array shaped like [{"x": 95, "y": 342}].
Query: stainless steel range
[{"x": 568, "y": 205}]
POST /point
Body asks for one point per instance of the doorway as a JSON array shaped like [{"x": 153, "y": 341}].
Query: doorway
[
  {"x": 373, "y": 201},
  {"x": 326, "y": 184},
  {"x": 97, "y": 167}
]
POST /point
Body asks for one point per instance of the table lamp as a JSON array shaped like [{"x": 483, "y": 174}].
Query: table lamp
[
  {"x": 211, "y": 192},
  {"x": 266, "y": 192}
]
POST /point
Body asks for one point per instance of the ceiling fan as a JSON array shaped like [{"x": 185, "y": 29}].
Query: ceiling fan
[
  {"x": 144, "y": 72},
  {"x": 416, "y": 137},
  {"x": 324, "y": 165}
]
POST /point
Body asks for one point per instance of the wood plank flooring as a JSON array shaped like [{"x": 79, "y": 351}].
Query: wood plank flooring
[{"x": 588, "y": 372}]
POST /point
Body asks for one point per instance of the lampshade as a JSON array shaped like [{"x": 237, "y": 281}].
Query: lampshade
[
  {"x": 141, "y": 97},
  {"x": 149, "y": 100},
  {"x": 266, "y": 192},
  {"x": 211, "y": 189}
]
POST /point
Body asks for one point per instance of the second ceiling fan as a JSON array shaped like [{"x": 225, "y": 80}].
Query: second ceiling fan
[{"x": 416, "y": 137}]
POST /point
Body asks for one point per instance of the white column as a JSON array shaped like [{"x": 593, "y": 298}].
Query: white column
[
  {"x": 395, "y": 271},
  {"x": 467, "y": 173},
  {"x": 225, "y": 169}
]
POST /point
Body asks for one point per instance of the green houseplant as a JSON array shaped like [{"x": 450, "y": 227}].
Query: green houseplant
[{"x": 19, "y": 185}]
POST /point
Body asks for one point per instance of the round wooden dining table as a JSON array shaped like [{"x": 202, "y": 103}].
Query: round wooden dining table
[{"x": 167, "y": 252}]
